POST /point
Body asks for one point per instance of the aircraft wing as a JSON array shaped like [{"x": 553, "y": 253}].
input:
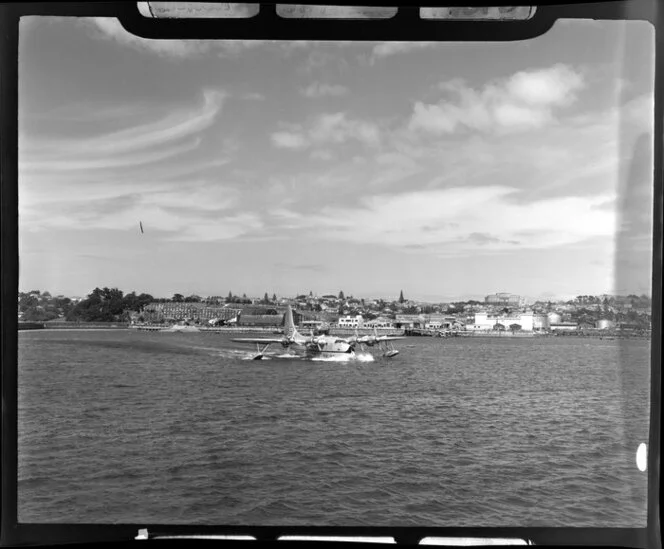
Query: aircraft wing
[{"x": 257, "y": 340}]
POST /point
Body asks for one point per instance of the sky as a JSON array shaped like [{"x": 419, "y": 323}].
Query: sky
[{"x": 446, "y": 170}]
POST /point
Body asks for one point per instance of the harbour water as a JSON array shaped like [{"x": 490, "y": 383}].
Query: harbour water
[{"x": 142, "y": 427}]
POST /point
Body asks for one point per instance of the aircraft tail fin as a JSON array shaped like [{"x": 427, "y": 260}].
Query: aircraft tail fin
[{"x": 289, "y": 325}]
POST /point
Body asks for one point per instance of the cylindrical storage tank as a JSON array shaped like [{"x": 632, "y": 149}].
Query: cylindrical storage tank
[
  {"x": 540, "y": 322},
  {"x": 605, "y": 324},
  {"x": 555, "y": 318}
]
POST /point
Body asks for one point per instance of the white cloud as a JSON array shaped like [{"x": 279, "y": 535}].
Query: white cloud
[
  {"x": 525, "y": 100},
  {"x": 198, "y": 211},
  {"x": 175, "y": 125},
  {"x": 553, "y": 86},
  {"x": 387, "y": 49},
  {"x": 317, "y": 89},
  {"x": 71, "y": 161},
  {"x": 338, "y": 128},
  {"x": 253, "y": 96},
  {"x": 456, "y": 220},
  {"x": 328, "y": 128},
  {"x": 322, "y": 154},
  {"x": 289, "y": 140}
]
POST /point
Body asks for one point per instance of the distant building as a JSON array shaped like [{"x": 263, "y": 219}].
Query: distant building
[
  {"x": 504, "y": 300},
  {"x": 540, "y": 322},
  {"x": 554, "y": 318},
  {"x": 350, "y": 321},
  {"x": 563, "y": 326},
  {"x": 484, "y": 321},
  {"x": 198, "y": 312},
  {"x": 409, "y": 321},
  {"x": 605, "y": 324},
  {"x": 380, "y": 322}
]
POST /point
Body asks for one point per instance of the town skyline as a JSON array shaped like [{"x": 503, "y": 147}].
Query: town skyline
[
  {"x": 346, "y": 295},
  {"x": 168, "y": 166}
]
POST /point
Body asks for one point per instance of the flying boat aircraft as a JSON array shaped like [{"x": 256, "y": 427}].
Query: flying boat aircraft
[{"x": 317, "y": 345}]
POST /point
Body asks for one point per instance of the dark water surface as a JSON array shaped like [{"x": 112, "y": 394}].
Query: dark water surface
[{"x": 138, "y": 427}]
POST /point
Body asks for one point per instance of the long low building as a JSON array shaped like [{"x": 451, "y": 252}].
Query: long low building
[
  {"x": 527, "y": 322},
  {"x": 198, "y": 312}
]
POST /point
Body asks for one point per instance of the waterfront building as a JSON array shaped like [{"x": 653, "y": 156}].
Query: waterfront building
[
  {"x": 484, "y": 321},
  {"x": 197, "y": 312},
  {"x": 380, "y": 322},
  {"x": 349, "y": 321},
  {"x": 540, "y": 322},
  {"x": 554, "y": 318},
  {"x": 409, "y": 321},
  {"x": 563, "y": 327},
  {"x": 605, "y": 324}
]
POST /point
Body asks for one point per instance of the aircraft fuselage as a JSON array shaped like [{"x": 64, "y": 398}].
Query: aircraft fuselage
[{"x": 328, "y": 345}]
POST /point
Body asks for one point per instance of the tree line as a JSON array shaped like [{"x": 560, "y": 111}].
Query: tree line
[{"x": 100, "y": 305}]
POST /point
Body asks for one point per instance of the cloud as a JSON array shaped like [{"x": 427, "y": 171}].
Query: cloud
[
  {"x": 455, "y": 221},
  {"x": 317, "y": 89},
  {"x": 387, "y": 49},
  {"x": 553, "y": 86},
  {"x": 175, "y": 125},
  {"x": 524, "y": 101},
  {"x": 289, "y": 140},
  {"x": 328, "y": 128},
  {"x": 316, "y": 267},
  {"x": 253, "y": 96},
  {"x": 199, "y": 211},
  {"x": 322, "y": 154},
  {"x": 72, "y": 162}
]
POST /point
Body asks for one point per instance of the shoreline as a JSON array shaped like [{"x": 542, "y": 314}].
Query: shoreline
[{"x": 338, "y": 332}]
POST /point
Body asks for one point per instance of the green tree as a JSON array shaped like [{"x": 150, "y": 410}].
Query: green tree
[
  {"x": 274, "y": 298},
  {"x": 341, "y": 296},
  {"x": 101, "y": 305},
  {"x": 178, "y": 298}
]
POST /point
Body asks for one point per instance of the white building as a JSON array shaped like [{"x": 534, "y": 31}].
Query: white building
[
  {"x": 379, "y": 322},
  {"x": 484, "y": 321},
  {"x": 350, "y": 321},
  {"x": 605, "y": 324},
  {"x": 540, "y": 323},
  {"x": 564, "y": 326}
]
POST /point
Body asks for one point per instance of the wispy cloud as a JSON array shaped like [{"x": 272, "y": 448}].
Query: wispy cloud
[
  {"x": 198, "y": 211},
  {"x": 170, "y": 127},
  {"x": 523, "y": 101},
  {"x": 387, "y": 49},
  {"x": 50, "y": 163},
  {"x": 289, "y": 140},
  {"x": 336, "y": 128},
  {"x": 318, "y": 89},
  {"x": 253, "y": 96},
  {"x": 455, "y": 221}
]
